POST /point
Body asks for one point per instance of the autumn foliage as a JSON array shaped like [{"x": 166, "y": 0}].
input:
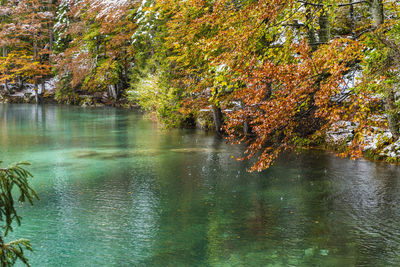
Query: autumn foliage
[
  {"x": 26, "y": 42},
  {"x": 274, "y": 74}
]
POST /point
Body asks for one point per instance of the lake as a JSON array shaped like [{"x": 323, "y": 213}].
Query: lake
[{"x": 116, "y": 190}]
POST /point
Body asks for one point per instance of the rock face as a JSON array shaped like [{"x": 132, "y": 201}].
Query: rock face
[
  {"x": 379, "y": 143},
  {"x": 27, "y": 93},
  {"x": 204, "y": 120},
  {"x": 341, "y": 133}
]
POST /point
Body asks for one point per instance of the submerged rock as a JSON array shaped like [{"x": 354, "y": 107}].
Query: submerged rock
[
  {"x": 309, "y": 252},
  {"x": 145, "y": 152},
  {"x": 115, "y": 155},
  {"x": 109, "y": 155},
  {"x": 86, "y": 154},
  {"x": 324, "y": 252},
  {"x": 194, "y": 149},
  {"x": 102, "y": 155}
]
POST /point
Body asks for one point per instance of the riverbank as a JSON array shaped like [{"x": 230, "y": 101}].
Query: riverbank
[
  {"x": 48, "y": 96},
  {"x": 377, "y": 146}
]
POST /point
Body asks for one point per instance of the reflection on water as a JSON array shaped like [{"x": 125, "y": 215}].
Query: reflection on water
[{"x": 117, "y": 191}]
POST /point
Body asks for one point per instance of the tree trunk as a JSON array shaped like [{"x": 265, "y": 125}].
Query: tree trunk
[
  {"x": 112, "y": 91},
  {"x": 246, "y": 128},
  {"x": 310, "y": 29},
  {"x": 117, "y": 90},
  {"x": 50, "y": 25},
  {"x": 246, "y": 124},
  {"x": 36, "y": 89},
  {"x": 351, "y": 16},
  {"x": 43, "y": 88},
  {"x": 20, "y": 83},
  {"x": 6, "y": 86},
  {"x": 393, "y": 114},
  {"x": 324, "y": 32},
  {"x": 35, "y": 49},
  {"x": 218, "y": 118},
  {"x": 376, "y": 9},
  {"x": 51, "y": 38}
]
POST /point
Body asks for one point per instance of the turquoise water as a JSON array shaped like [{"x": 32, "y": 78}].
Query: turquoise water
[{"x": 118, "y": 191}]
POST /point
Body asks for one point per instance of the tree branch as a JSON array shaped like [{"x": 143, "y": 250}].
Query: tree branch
[{"x": 339, "y": 5}]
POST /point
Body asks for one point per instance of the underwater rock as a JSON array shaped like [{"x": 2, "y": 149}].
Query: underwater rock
[
  {"x": 194, "y": 150},
  {"x": 114, "y": 155},
  {"x": 109, "y": 155},
  {"x": 86, "y": 154},
  {"x": 309, "y": 252},
  {"x": 324, "y": 252}
]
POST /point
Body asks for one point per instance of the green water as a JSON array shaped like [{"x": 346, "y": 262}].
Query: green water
[{"x": 117, "y": 191}]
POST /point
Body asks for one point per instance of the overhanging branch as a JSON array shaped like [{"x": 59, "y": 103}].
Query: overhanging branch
[{"x": 339, "y": 5}]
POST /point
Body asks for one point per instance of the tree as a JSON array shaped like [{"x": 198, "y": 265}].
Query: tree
[
  {"x": 94, "y": 50},
  {"x": 381, "y": 70},
  {"x": 279, "y": 66},
  {"x": 26, "y": 40},
  {"x": 272, "y": 73},
  {"x": 13, "y": 178}
]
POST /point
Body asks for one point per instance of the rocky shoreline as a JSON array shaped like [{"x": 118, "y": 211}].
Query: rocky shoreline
[
  {"x": 46, "y": 94},
  {"x": 378, "y": 145}
]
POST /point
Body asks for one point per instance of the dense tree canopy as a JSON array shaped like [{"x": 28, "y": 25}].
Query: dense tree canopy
[{"x": 275, "y": 74}]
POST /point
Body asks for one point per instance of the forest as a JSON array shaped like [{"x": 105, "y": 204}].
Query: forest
[
  {"x": 273, "y": 74},
  {"x": 105, "y": 99}
]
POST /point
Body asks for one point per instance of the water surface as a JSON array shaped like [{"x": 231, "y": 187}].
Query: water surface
[{"x": 118, "y": 191}]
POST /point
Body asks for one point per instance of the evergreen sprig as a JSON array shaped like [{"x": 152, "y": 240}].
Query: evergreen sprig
[{"x": 11, "y": 177}]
